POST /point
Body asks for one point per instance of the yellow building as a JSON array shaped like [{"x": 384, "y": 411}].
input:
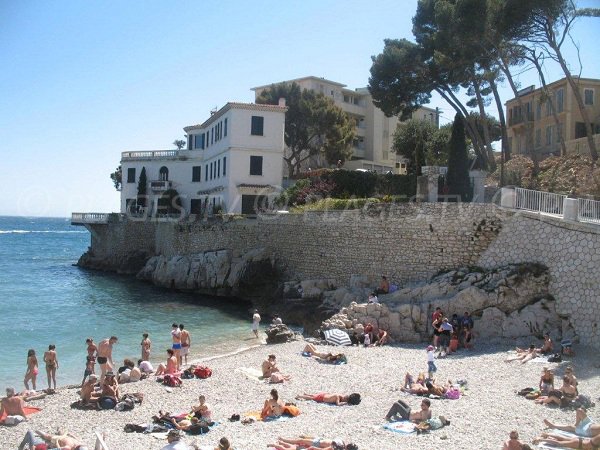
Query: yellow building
[{"x": 533, "y": 127}]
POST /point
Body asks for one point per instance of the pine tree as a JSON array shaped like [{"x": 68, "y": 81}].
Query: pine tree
[
  {"x": 459, "y": 183},
  {"x": 142, "y": 189}
]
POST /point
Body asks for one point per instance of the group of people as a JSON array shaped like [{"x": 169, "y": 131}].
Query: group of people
[
  {"x": 31, "y": 373},
  {"x": 449, "y": 334}
]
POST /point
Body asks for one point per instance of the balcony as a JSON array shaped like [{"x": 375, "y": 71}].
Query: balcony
[
  {"x": 93, "y": 218},
  {"x": 152, "y": 154},
  {"x": 160, "y": 185},
  {"x": 520, "y": 119}
]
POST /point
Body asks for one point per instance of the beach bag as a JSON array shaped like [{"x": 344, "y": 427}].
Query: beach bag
[
  {"x": 556, "y": 357},
  {"x": 187, "y": 374},
  {"x": 525, "y": 391},
  {"x": 172, "y": 380},
  {"x": 533, "y": 395},
  {"x": 582, "y": 401},
  {"x": 453, "y": 394},
  {"x": 202, "y": 372}
]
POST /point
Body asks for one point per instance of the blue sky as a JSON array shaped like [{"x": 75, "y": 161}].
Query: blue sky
[{"x": 83, "y": 81}]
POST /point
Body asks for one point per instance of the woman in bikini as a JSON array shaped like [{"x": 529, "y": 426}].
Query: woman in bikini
[
  {"x": 146, "y": 346},
  {"x": 202, "y": 411},
  {"x": 562, "y": 397},
  {"x": 584, "y": 426},
  {"x": 51, "y": 361},
  {"x": 546, "y": 381},
  {"x": 414, "y": 387},
  {"x": 334, "y": 399},
  {"x": 310, "y": 443},
  {"x": 32, "y": 369},
  {"x": 273, "y": 406}
]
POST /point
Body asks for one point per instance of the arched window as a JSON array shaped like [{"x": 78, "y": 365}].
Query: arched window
[{"x": 163, "y": 174}]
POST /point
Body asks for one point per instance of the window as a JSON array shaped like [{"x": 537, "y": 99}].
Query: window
[
  {"x": 190, "y": 142},
  {"x": 206, "y": 172},
  {"x": 548, "y": 107},
  {"x": 196, "y": 174},
  {"x": 580, "y": 130},
  {"x": 218, "y": 168},
  {"x": 548, "y": 135},
  {"x": 163, "y": 174},
  {"x": 196, "y": 206},
  {"x": 538, "y": 138},
  {"x": 131, "y": 175},
  {"x": 588, "y": 96},
  {"x": 257, "y": 126},
  {"x": 256, "y": 163},
  {"x": 212, "y": 171},
  {"x": 560, "y": 100},
  {"x": 198, "y": 141},
  {"x": 225, "y": 128},
  {"x": 225, "y": 159},
  {"x": 212, "y": 136},
  {"x": 538, "y": 111}
]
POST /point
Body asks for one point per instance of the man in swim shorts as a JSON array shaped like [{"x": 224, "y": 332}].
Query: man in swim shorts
[
  {"x": 104, "y": 358},
  {"x": 186, "y": 342}
]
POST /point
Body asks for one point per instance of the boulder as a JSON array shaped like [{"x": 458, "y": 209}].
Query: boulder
[{"x": 279, "y": 334}]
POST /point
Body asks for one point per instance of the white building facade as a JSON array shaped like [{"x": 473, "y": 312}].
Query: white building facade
[
  {"x": 372, "y": 148},
  {"x": 232, "y": 164}
]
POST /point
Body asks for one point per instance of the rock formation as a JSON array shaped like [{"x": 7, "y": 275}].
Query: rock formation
[{"x": 279, "y": 334}]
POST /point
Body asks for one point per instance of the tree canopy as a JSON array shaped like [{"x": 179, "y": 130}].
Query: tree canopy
[
  {"x": 457, "y": 179},
  {"x": 314, "y": 125},
  {"x": 117, "y": 178}
]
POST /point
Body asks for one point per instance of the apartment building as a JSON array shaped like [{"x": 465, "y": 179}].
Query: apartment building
[
  {"x": 532, "y": 126},
  {"x": 372, "y": 148},
  {"x": 233, "y": 163}
]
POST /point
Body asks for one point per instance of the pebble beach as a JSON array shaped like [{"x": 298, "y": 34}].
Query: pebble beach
[{"x": 481, "y": 419}]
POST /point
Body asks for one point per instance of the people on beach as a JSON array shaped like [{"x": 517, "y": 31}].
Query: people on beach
[
  {"x": 372, "y": 298},
  {"x": 202, "y": 410},
  {"x": 146, "y": 345},
  {"x": 273, "y": 406},
  {"x": 51, "y": 360},
  {"x": 382, "y": 338},
  {"x": 446, "y": 331},
  {"x": 224, "y": 444},
  {"x": 592, "y": 443},
  {"x": 384, "y": 286},
  {"x": 174, "y": 441},
  {"x": 309, "y": 442},
  {"x": 12, "y": 405},
  {"x": 129, "y": 373},
  {"x": 276, "y": 320},
  {"x": 513, "y": 442},
  {"x": 62, "y": 440},
  {"x": 109, "y": 391},
  {"x": 561, "y": 397},
  {"x": 255, "y": 322},
  {"x": 403, "y": 411},
  {"x": 88, "y": 391},
  {"x": 311, "y": 350},
  {"x": 524, "y": 355},
  {"x": 186, "y": 342},
  {"x": 431, "y": 367},
  {"x": 176, "y": 337},
  {"x": 91, "y": 348},
  {"x": 437, "y": 331},
  {"x": 584, "y": 426},
  {"x": 32, "y": 370},
  {"x": 334, "y": 399},
  {"x": 412, "y": 386},
  {"x": 547, "y": 347},
  {"x": 105, "y": 348},
  {"x": 146, "y": 367},
  {"x": 546, "y": 381},
  {"x": 271, "y": 371},
  {"x": 89, "y": 367},
  {"x": 571, "y": 375},
  {"x": 170, "y": 367}
]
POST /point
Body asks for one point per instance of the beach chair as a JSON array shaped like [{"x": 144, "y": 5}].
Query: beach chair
[{"x": 100, "y": 443}]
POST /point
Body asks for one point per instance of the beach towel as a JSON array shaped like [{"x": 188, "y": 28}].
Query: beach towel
[
  {"x": 29, "y": 410},
  {"x": 252, "y": 374},
  {"x": 402, "y": 427},
  {"x": 556, "y": 446}
]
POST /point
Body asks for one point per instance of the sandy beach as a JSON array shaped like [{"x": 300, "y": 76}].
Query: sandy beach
[{"x": 481, "y": 419}]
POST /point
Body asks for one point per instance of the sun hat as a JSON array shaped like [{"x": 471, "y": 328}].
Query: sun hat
[{"x": 430, "y": 347}]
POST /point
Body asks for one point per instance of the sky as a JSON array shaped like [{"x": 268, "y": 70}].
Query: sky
[{"x": 83, "y": 81}]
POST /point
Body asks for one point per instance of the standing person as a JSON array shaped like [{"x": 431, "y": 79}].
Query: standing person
[
  {"x": 146, "y": 346},
  {"x": 255, "y": 322},
  {"x": 176, "y": 336},
  {"x": 431, "y": 368},
  {"x": 186, "y": 342},
  {"x": 91, "y": 348},
  {"x": 446, "y": 330},
  {"x": 89, "y": 368},
  {"x": 32, "y": 369},
  {"x": 51, "y": 360},
  {"x": 105, "y": 348}
]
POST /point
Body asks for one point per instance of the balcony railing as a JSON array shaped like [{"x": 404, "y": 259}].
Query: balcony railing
[
  {"x": 82, "y": 218},
  {"x": 520, "y": 118},
  {"x": 544, "y": 202},
  {"x": 153, "y": 154},
  {"x": 160, "y": 185}
]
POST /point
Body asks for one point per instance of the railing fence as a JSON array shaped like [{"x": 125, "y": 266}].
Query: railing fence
[
  {"x": 588, "y": 211},
  {"x": 544, "y": 202}
]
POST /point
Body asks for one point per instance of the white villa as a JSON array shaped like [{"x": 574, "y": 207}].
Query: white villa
[{"x": 233, "y": 163}]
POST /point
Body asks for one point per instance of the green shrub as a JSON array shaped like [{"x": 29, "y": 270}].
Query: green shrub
[{"x": 335, "y": 204}]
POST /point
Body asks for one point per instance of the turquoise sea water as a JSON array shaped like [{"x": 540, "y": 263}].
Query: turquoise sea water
[{"x": 44, "y": 299}]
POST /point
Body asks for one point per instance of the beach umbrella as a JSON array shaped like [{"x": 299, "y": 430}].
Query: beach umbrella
[{"x": 337, "y": 337}]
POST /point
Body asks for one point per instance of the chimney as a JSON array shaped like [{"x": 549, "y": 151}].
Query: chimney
[{"x": 282, "y": 101}]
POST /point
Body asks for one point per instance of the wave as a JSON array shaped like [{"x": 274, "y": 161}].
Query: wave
[{"x": 39, "y": 231}]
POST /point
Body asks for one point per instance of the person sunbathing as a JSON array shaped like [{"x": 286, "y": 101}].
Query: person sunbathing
[
  {"x": 584, "y": 426},
  {"x": 88, "y": 392},
  {"x": 311, "y": 443},
  {"x": 412, "y": 386},
  {"x": 273, "y": 406},
  {"x": 513, "y": 442},
  {"x": 171, "y": 367},
  {"x": 561, "y": 397},
  {"x": 547, "y": 347},
  {"x": 202, "y": 409},
  {"x": 334, "y": 399},
  {"x": 401, "y": 409},
  {"x": 312, "y": 350},
  {"x": 12, "y": 404},
  {"x": 546, "y": 381},
  {"x": 524, "y": 355},
  {"x": 63, "y": 440},
  {"x": 568, "y": 442},
  {"x": 436, "y": 389}
]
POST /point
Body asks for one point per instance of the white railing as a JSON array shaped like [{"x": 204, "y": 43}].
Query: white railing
[
  {"x": 588, "y": 211},
  {"x": 544, "y": 202},
  {"x": 89, "y": 217},
  {"x": 154, "y": 154}
]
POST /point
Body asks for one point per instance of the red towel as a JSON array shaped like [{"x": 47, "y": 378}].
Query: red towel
[{"x": 29, "y": 410}]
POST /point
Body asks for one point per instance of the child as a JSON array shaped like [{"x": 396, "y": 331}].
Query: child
[
  {"x": 89, "y": 368},
  {"x": 468, "y": 338},
  {"x": 367, "y": 341},
  {"x": 453, "y": 343},
  {"x": 431, "y": 368}
]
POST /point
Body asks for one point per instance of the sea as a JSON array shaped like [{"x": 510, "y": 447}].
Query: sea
[{"x": 45, "y": 299}]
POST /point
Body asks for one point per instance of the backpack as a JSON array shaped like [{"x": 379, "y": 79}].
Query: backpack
[
  {"x": 187, "y": 374},
  {"x": 172, "y": 380},
  {"x": 556, "y": 357},
  {"x": 582, "y": 401},
  {"x": 202, "y": 372}
]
